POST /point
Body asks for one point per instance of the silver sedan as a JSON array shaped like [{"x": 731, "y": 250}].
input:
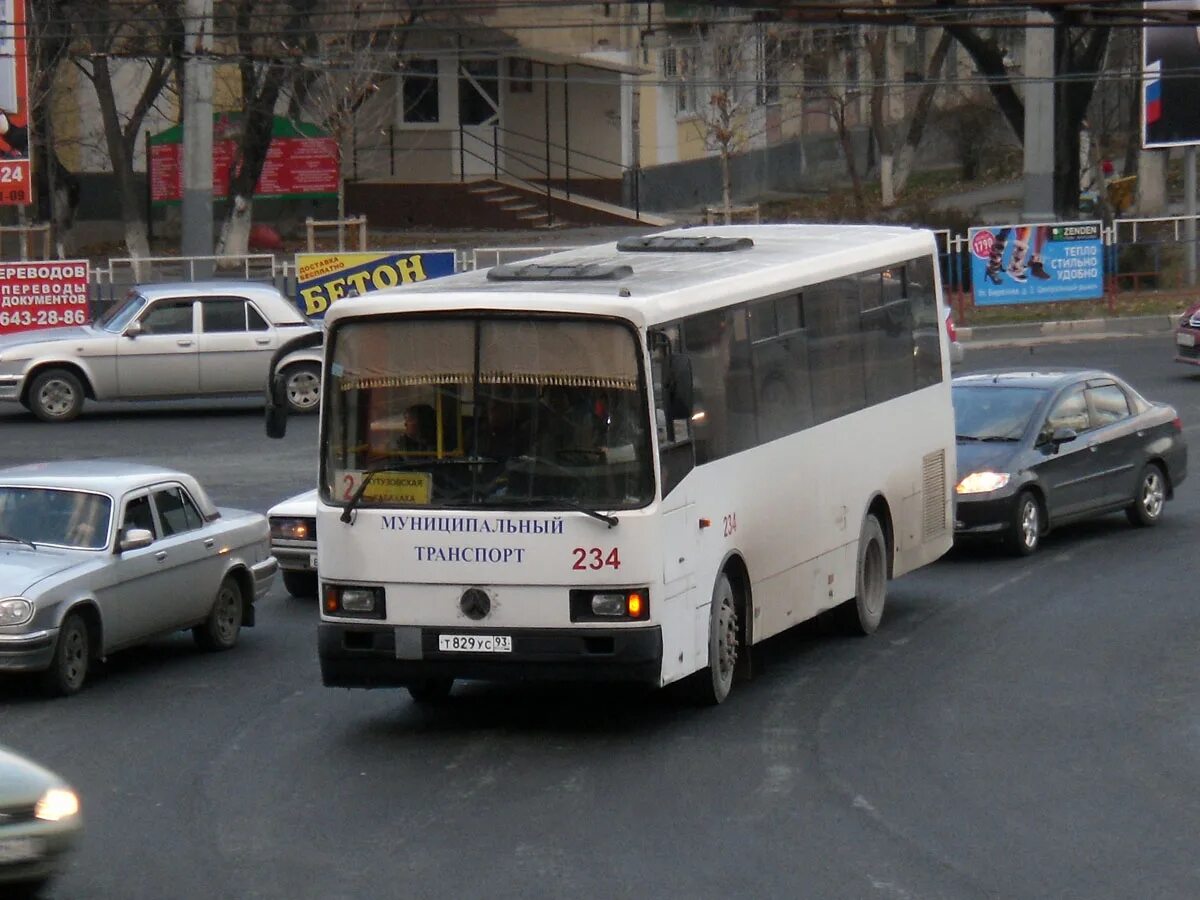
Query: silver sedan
[
  {"x": 97, "y": 556},
  {"x": 195, "y": 339}
]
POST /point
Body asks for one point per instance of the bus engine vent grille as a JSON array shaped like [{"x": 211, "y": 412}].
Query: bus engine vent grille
[{"x": 933, "y": 488}]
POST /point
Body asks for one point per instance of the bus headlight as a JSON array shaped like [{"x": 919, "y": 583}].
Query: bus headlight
[
  {"x": 982, "y": 482},
  {"x": 629, "y": 605},
  {"x": 354, "y": 601}
]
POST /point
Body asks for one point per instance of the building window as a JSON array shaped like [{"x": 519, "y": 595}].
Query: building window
[
  {"x": 685, "y": 87},
  {"x": 520, "y": 76},
  {"x": 768, "y": 54},
  {"x": 420, "y": 93}
]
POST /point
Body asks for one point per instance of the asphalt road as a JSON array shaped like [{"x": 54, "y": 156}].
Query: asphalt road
[{"x": 1015, "y": 729}]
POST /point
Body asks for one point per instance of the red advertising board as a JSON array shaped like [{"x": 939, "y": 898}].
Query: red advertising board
[
  {"x": 38, "y": 294},
  {"x": 296, "y": 165},
  {"x": 16, "y": 188}
]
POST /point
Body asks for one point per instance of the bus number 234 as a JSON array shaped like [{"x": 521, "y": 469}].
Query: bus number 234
[{"x": 595, "y": 558}]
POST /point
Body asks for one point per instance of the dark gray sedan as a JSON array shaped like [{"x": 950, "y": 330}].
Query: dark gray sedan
[
  {"x": 1038, "y": 449},
  {"x": 96, "y": 556}
]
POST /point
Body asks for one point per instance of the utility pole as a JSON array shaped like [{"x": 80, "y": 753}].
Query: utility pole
[
  {"x": 1039, "y": 118},
  {"x": 197, "y": 130},
  {"x": 1189, "y": 211}
]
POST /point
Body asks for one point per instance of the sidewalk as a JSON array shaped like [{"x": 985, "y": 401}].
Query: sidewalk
[{"x": 1074, "y": 330}]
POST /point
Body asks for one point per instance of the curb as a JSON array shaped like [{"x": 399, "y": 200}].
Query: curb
[{"x": 1077, "y": 328}]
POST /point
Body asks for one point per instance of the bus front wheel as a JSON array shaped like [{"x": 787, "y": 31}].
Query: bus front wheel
[
  {"x": 712, "y": 685},
  {"x": 862, "y": 614}
]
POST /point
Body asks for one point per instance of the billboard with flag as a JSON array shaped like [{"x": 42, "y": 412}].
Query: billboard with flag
[{"x": 1171, "y": 73}]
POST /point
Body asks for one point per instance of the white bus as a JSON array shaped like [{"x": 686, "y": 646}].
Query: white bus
[{"x": 632, "y": 461}]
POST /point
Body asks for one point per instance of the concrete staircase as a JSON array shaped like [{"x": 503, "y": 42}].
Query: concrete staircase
[{"x": 527, "y": 205}]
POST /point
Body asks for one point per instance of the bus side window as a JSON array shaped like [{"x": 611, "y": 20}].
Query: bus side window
[
  {"x": 675, "y": 452},
  {"x": 927, "y": 324}
]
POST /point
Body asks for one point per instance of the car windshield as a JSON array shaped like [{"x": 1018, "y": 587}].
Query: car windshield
[
  {"x": 62, "y": 518},
  {"x": 483, "y": 411},
  {"x": 116, "y": 317},
  {"x": 994, "y": 412}
]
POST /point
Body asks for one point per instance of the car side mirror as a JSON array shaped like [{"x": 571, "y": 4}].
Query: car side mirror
[
  {"x": 277, "y": 408},
  {"x": 1062, "y": 436},
  {"x": 135, "y": 539},
  {"x": 680, "y": 393},
  {"x": 1052, "y": 440},
  {"x": 133, "y": 329}
]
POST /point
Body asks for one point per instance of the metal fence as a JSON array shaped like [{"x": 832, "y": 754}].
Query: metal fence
[{"x": 1140, "y": 255}]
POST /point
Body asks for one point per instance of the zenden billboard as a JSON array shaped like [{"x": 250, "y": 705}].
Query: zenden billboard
[{"x": 1037, "y": 263}]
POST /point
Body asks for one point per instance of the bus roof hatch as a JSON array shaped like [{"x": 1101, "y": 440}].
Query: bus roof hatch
[
  {"x": 659, "y": 243},
  {"x": 561, "y": 272}
]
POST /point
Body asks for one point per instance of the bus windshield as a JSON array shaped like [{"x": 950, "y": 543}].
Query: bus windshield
[{"x": 486, "y": 411}]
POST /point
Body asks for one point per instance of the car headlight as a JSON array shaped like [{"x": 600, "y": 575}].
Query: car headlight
[
  {"x": 57, "y": 804},
  {"x": 982, "y": 482},
  {"x": 294, "y": 529},
  {"x": 15, "y": 611}
]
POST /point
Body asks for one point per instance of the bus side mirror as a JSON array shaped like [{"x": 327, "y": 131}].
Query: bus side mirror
[
  {"x": 277, "y": 408},
  {"x": 680, "y": 395}
]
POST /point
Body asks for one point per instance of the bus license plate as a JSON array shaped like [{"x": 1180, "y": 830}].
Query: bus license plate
[
  {"x": 475, "y": 643},
  {"x": 19, "y": 849},
  {"x": 1185, "y": 339},
  {"x": 312, "y": 560}
]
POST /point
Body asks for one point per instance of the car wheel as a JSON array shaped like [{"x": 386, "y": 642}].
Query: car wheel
[
  {"x": 1025, "y": 532},
  {"x": 711, "y": 685},
  {"x": 71, "y": 660},
  {"x": 863, "y": 613},
  {"x": 300, "y": 584},
  {"x": 1148, "y": 502},
  {"x": 56, "y": 395},
  {"x": 303, "y": 387},
  {"x": 220, "y": 630},
  {"x": 430, "y": 690}
]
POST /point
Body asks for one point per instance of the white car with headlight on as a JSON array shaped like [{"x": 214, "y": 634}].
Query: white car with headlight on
[
  {"x": 39, "y": 824},
  {"x": 294, "y": 542}
]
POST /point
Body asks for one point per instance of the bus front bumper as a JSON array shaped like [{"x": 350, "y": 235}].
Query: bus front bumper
[{"x": 370, "y": 656}]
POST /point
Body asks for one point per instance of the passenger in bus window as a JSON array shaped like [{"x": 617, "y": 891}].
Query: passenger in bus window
[
  {"x": 500, "y": 432},
  {"x": 420, "y": 429}
]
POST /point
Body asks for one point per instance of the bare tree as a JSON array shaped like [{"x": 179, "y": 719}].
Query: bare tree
[
  {"x": 837, "y": 97},
  {"x": 346, "y": 57},
  {"x": 268, "y": 36},
  {"x": 921, "y": 112},
  {"x": 1079, "y": 54},
  {"x": 49, "y": 41},
  {"x": 146, "y": 37}
]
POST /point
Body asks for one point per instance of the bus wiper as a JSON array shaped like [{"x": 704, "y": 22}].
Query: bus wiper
[
  {"x": 355, "y": 498},
  {"x": 964, "y": 438},
  {"x": 998, "y": 438},
  {"x": 610, "y": 521},
  {"x": 18, "y": 540}
]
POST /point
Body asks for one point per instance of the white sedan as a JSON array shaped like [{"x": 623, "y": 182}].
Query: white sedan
[
  {"x": 294, "y": 542},
  {"x": 186, "y": 340},
  {"x": 96, "y": 556}
]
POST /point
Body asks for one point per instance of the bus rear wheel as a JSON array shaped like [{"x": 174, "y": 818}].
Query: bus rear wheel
[
  {"x": 862, "y": 614},
  {"x": 712, "y": 685}
]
